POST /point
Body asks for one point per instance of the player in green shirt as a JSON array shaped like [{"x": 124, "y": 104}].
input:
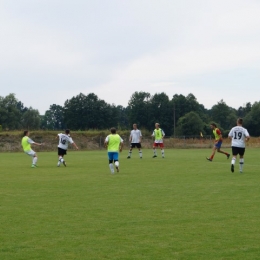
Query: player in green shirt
[
  {"x": 113, "y": 143},
  {"x": 158, "y": 135},
  {"x": 26, "y": 144}
]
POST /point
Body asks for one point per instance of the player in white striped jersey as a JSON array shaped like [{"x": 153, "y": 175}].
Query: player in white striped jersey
[
  {"x": 64, "y": 140},
  {"x": 239, "y": 136}
]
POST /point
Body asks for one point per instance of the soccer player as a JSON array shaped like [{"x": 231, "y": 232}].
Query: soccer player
[
  {"x": 158, "y": 135},
  {"x": 26, "y": 144},
  {"x": 113, "y": 143},
  {"x": 135, "y": 139},
  {"x": 239, "y": 135},
  {"x": 64, "y": 140},
  {"x": 218, "y": 142}
]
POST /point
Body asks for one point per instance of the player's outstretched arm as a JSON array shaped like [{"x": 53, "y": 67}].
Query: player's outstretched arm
[
  {"x": 39, "y": 144},
  {"x": 76, "y": 147}
]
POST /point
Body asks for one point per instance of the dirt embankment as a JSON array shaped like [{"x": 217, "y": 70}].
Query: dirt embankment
[{"x": 11, "y": 141}]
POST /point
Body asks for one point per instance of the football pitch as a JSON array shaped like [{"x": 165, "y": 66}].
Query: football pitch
[{"x": 180, "y": 207}]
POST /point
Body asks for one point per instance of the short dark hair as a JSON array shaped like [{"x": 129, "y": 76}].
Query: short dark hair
[
  {"x": 240, "y": 121},
  {"x": 67, "y": 131},
  {"x": 213, "y": 124},
  {"x": 25, "y": 132},
  {"x": 113, "y": 130}
]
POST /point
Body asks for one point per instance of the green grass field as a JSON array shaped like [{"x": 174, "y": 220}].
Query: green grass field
[{"x": 180, "y": 207}]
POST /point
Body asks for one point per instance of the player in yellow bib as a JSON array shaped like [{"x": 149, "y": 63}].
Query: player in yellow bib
[
  {"x": 114, "y": 144},
  {"x": 26, "y": 144},
  {"x": 218, "y": 142},
  {"x": 158, "y": 135}
]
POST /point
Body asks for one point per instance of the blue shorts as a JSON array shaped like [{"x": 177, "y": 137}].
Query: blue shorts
[
  {"x": 218, "y": 144},
  {"x": 112, "y": 156}
]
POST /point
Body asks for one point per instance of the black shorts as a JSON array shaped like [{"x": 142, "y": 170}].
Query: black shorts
[
  {"x": 133, "y": 145},
  {"x": 238, "y": 150},
  {"x": 61, "y": 151}
]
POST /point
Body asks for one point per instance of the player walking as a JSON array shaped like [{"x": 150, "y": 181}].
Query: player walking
[{"x": 238, "y": 135}]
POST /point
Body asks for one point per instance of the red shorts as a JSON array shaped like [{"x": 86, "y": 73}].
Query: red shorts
[{"x": 158, "y": 144}]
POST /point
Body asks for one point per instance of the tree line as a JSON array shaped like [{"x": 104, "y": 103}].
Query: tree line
[{"x": 178, "y": 116}]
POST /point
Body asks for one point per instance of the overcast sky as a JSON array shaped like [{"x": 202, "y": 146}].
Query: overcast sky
[{"x": 52, "y": 50}]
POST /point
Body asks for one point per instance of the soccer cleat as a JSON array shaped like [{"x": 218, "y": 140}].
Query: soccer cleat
[
  {"x": 232, "y": 167},
  {"x": 141, "y": 157},
  {"x": 117, "y": 169},
  {"x": 228, "y": 156},
  {"x": 154, "y": 156},
  {"x": 33, "y": 166},
  {"x": 209, "y": 159},
  {"x": 128, "y": 157},
  {"x": 64, "y": 163}
]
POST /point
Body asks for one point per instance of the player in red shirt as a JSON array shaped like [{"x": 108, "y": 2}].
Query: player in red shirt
[{"x": 218, "y": 142}]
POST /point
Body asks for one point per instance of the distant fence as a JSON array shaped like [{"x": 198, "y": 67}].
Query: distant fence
[{"x": 13, "y": 143}]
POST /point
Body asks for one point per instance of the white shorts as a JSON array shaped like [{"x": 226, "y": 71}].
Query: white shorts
[{"x": 30, "y": 153}]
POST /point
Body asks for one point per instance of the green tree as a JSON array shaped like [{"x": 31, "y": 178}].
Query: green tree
[
  {"x": 121, "y": 116},
  {"x": 139, "y": 109},
  {"x": 161, "y": 112},
  {"x": 10, "y": 115},
  {"x": 31, "y": 119},
  {"x": 223, "y": 115},
  {"x": 53, "y": 118},
  {"x": 243, "y": 111},
  {"x": 252, "y": 120},
  {"x": 182, "y": 105},
  {"x": 190, "y": 125},
  {"x": 88, "y": 112}
]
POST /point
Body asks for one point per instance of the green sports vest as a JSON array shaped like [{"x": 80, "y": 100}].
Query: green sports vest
[
  {"x": 113, "y": 143},
  {"x": 217, "y": 137},
  {"x": 26, "y": 146},
  {"x": 158, "y": 134}
]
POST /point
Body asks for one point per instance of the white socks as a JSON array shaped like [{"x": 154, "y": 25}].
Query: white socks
[
  {"x": 111, "y": 166},
  {"x": 34, "y": 161},
  {"x": 241, "y": 164},
  {"x": 162, "y": 153},
  {"x": 233, "y": 161}
]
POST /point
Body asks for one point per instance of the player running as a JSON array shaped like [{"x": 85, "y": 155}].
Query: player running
[
  {"x": 113, "y": 143},
  {"x": 218, "y": 142},
  {"x": 64, "y": 140},
  {"x": 239, "y": 136}
]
